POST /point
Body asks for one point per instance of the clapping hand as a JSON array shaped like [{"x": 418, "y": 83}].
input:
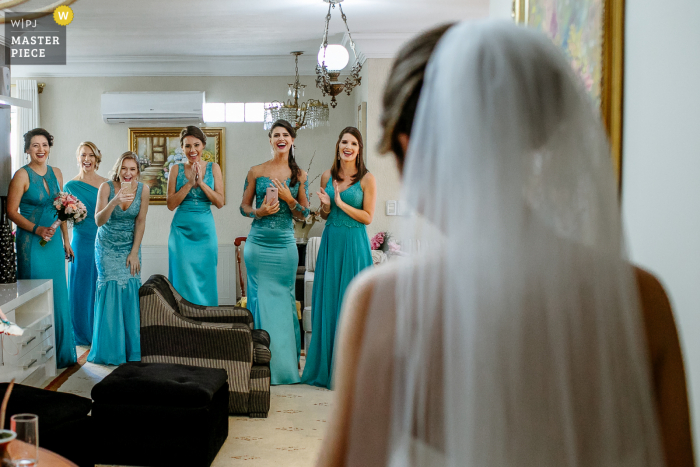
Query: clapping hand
[
  {"x": 266, "y": 209},
  {"x": 283, "y": 191},
  {"x": 323, "y": 197},
  {"x": 336, "y": 194}
]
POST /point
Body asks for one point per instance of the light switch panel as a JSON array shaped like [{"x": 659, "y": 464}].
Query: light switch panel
[{"x": 391, "y": 207}]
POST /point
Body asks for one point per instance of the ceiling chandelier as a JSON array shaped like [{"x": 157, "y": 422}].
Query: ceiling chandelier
[
  {"x": 333, "y": 58},
  {"x": 310, "y": 114}
]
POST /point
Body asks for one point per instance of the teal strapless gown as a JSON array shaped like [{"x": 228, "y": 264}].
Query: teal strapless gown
[
  {"x": 343, "y": 253},
  {"x": 46, "y": 262},
  {"x": 271, "y": 260},
  {"x": 116, "y": 336},
  {"x": 193, "y": 248},
  {"x": 82, "y": 279}
]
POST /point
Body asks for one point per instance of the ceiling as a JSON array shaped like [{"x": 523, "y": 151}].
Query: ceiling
[{"x": 232, "y": 37}]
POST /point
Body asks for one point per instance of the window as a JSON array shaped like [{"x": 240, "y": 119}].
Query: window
[
  {"x": 254, "y": 112},
  {"x": 14, "y": 154},
  {"x": 214, "y": 112},
  {"x": 234, "y": 112}
]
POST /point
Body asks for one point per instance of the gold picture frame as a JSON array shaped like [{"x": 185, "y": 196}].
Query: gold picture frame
[
  {"x": 159, "y": 148},
  {"x": 600, "y": 64}
]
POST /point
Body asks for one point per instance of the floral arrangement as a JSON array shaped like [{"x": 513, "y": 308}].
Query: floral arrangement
[
  {"x": 69, "y": 209},
  {"x": 380, "y": 241}
]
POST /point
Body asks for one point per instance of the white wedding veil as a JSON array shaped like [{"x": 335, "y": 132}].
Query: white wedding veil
[{"x": 519, "y": 336}]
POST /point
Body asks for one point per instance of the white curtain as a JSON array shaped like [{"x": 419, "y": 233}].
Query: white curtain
[{"x": 27, "y": 119}]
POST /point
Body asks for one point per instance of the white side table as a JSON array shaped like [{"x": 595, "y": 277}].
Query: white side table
[{"x": 29, "y": 358}]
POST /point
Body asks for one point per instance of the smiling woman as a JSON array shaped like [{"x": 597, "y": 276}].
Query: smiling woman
[
  {"x": 122, "y": 204},
  {"x": 271, "y": 256},
  {"x": 29, "y": 205}
]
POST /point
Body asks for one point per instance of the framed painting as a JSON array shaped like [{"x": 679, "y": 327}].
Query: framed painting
[
  {"x": 591, "y": 35},
  {"x": 159, "y": 149}
]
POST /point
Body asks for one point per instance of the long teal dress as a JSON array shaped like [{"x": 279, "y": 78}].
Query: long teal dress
[
  {"x": 82, "y": 279},
  {"x": 46, "y": 262},
  {"x": 116, "y": 336},
  {"x": 343, "y": 253},
  {"x": 271, "y": 260},
  {"x": 193, "y": 247}
]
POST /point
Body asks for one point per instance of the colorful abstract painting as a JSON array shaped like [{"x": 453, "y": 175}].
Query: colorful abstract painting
[{"x": 577, "y": 28}]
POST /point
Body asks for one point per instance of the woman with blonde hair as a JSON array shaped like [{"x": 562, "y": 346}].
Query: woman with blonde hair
[
  {"x": 82, "y": 279},
  {"x": 522, "y": 335},
  {"x": 122, "y": 204}
]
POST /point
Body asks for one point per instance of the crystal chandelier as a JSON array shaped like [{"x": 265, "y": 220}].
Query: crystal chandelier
[
  {"x": 310, "y": 114},
  {"x": 333, "y": 58}
]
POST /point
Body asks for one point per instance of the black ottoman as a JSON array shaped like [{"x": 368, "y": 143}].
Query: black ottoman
[
  {"x": 160, "y": 414},
  {"x": 64, "y": 425}
]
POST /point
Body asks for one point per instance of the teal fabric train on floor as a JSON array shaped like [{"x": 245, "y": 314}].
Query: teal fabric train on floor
[
  {"x": 343, "y": 253},
  {"x": 82, "y": 279},
  {"x": 193, "y": 245},
  {"x": 46, "y": 262},
  {"x": 116, "y": 336},
  {"x": 271, "y": 260}
]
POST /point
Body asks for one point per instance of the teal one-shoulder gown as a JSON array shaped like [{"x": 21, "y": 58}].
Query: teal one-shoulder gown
[
  {"x": 82, "y": 279},
  {"x": 271, "y": 260},
  {"x": 193, "y": 247},
  {"x": 46, "y": 262},
  {"x": 116, "y": 336},
  {"x": 343, "y": 253}
]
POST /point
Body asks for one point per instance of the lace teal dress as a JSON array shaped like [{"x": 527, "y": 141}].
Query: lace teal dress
[
  {"x": 82, "y": 281},
  {"x": 46, "y": 262},
  {"x": 116, "y": 335},
  {"x": 271, "y": 260},
  {"x": 344, "y": 252},
  {"x": 193, "y": 248}
]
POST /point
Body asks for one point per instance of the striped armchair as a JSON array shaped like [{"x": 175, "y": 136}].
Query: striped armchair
[{"x": 174, "y": 330}]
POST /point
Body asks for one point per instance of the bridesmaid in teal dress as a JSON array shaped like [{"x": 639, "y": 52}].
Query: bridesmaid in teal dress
[
  {"x": 82, "y": 280},
  {"x": 122, "y": 204},
  {"x": 270, "y": 254},
  {"x": 31, "y": 192},
  {"x": 348, "y": 206},
  {"x": 193, "y": 246}
]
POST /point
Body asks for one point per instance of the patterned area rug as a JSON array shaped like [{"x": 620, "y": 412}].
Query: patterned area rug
[{"x": 291, "y": 436}]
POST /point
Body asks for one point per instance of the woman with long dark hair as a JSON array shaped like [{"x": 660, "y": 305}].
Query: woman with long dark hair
[
  {"x": 30, "y": 206},
  {"x": 347, "y": 204},
  {"x": 192, "y": 245},
  {"x": 274, "y": 192}
]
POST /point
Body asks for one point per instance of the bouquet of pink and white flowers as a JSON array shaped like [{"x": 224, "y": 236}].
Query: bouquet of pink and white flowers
[
  {"x": 380, "y": 241},
  {"x": 69, "y": 209}
]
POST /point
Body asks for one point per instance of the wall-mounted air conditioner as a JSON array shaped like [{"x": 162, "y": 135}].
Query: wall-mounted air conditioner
[{"x": 177, "y": 108}]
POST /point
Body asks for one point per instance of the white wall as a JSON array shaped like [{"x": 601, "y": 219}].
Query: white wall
[
  {"x": 661, "y": 160},
  {"x": 70, "y": 110}
]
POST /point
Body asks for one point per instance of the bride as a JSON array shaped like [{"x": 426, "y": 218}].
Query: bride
[{"x": 521, "y": 336}]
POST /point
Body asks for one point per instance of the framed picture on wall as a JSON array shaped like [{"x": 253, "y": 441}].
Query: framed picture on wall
[
  {"x": 591, "y": 35},
  {"x": 159, "y": 149}
]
